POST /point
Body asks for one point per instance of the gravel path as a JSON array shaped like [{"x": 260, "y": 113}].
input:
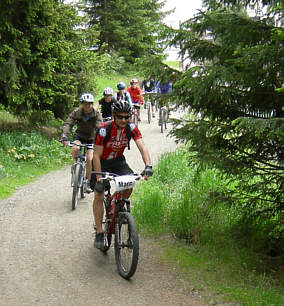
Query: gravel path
[{"x": 47, "y": 255}]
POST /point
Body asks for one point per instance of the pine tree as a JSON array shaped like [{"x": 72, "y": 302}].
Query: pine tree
[
  {"x": 236, "y": 84},
  {"x": 44, "y": 61},
  {"x": 127, "y": 26}
]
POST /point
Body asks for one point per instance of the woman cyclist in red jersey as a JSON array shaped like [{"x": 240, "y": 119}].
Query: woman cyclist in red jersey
[{"x": 136, "y": 95}]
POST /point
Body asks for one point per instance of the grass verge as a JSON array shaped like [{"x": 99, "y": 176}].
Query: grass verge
[
  {"x": 26, "y": 155},
  {"x": 199, "y": 235}
]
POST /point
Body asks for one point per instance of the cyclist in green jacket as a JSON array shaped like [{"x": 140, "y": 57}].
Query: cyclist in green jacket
[{"x": 87, "y": 120}]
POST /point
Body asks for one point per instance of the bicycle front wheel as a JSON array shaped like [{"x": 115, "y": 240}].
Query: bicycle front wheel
[
  {"x": 126, "y": 246},
  {"x": 162, "y": 120},
  {"x": 75, "y": 187},
  {"x": 106, "y": 229},
  {"x": 165, "y": 115},
  {"x": 149, "y": 112},
  {"x": 83, "y": 183}
]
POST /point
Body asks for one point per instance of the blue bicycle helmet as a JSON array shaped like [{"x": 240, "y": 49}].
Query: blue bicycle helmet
[{"x": 120, "y": 85}]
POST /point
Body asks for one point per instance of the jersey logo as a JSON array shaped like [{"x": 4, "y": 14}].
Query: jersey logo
[
  {"x": 132, "y": 126},
  {"x": 102, "y": 132}
]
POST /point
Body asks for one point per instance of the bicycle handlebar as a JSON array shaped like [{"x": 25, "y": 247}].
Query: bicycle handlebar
[
  {"x": 84, "y": 145},
  {"x": 111, "y": 176}
]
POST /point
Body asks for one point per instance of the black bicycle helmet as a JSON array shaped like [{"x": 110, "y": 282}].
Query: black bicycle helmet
[
  {"x": 121, "y": 107},
  {"x": 120, "y": 85}
]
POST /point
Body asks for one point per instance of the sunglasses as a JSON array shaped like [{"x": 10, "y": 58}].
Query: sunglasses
[{"x": 122, "y": 117}]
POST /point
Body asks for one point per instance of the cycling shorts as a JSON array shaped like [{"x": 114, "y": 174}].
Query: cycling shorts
[
  {"x": 115, "y": 165},
  {"x": 83, "y": 141}
]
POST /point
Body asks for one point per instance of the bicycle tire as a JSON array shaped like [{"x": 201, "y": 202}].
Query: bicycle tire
[
  {"x": 75, "y": 187},
  {"x": 105, "y": 224},
  {"x": 126, "y": 247},
  {"x": 149, "y": 112},
  {"x": 83, "y": 183},
  {"x": 162, "y": 120}
]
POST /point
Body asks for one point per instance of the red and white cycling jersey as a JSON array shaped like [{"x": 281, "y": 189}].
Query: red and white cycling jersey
[
  {"x": 134, "y": 92},
  {"x": 117, "y": 141}
]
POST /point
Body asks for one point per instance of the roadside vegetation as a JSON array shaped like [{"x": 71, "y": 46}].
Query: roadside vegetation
[
  {"x": 202, "y": 234},
  {"x": 26, "y": 153}
]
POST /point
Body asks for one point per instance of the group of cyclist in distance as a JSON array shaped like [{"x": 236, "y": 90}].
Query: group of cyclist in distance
[{"x": 108, "y": 129}]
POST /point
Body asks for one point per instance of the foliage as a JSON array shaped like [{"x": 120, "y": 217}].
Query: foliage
[
  {"x": 128, "y": 27},
  {"x": 44, "y": 58},
  {"x": 26, "y": 155},
  {"x": 235, "y": 87},
  {"x": 212, "y": 242}
]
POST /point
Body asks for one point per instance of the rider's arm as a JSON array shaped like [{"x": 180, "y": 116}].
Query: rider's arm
[
  {"x": 99, "y": 119},
  {"x": 67, "y": 126},
  {"x": 98, "y": 151},
  {"x": 143, "y": 151}
]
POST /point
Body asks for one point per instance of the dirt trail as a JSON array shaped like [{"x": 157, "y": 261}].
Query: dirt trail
[{"x": 47, "y": 255}]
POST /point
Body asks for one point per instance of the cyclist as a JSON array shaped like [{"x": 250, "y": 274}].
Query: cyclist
[
  {"x": 108, "y": 156},
  {"x": 87, "y": 120},
  {"x": 106, "y": 103},
  {"x": 122, "y": 94},
  {"x": 148, "y": 86},
  {"x": 136, "y": 95},
  {"x": 164, "y": 89}
]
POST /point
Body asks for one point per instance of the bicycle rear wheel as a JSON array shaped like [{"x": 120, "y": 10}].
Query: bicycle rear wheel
[
  {"x": 106, "y": 229},
  {"x": 75, "y": 187},
  {"x": 126, "y": 246}
]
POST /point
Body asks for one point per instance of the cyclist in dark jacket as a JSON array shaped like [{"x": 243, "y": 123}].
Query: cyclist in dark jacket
[
  {"x": 106, "y": 103},
  {"x": 87, "y": 120}
]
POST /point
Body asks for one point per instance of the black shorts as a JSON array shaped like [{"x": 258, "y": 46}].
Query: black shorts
[
  {"x": 115, "y": 165},
  {"x": 83, "y": 141}
]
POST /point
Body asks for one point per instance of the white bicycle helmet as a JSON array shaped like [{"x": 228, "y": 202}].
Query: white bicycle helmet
[
  {"x": 87, "y": 97},
  {"x": 133, "y": 81},
  {"x": 108, "y": 91}
]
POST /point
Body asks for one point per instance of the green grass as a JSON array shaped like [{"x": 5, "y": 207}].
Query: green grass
[
  {"x": 26, "y": 155},
  {"x": 173, "y": 64},
  {"x": 111, "y": 80},
  {"x": 220, "y": 282},
  {"x": 181, "y": 203}
]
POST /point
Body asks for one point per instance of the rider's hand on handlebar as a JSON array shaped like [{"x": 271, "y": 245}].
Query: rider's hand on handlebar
[
  {"x": 147, "y": 172},
  {"x": 64, "y": 141}
]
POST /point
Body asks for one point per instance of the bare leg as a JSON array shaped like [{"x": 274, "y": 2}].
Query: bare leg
[
  {"x": 89, "y": 164},
  {"x": 75, "y": 150},
  {"x": 98, "y": 211}
]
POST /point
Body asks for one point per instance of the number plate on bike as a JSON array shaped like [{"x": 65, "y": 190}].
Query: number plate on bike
[{"x": 124, "y": 182}]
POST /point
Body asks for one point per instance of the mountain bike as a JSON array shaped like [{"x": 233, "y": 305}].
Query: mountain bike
[
  {"x": 163, "y": 117},
  {"x": 78, "y": 173},
  {"x": 148, "y": 108},
  {"x": 118, "y": 221},
  {"x": 134, "y": 116}
]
